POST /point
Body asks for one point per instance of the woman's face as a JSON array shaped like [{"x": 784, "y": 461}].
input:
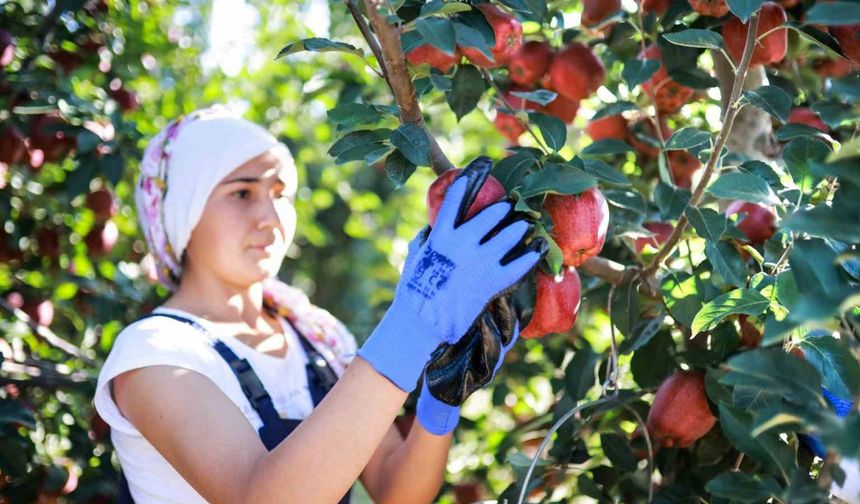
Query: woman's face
[{"x": 247, "y": 224}]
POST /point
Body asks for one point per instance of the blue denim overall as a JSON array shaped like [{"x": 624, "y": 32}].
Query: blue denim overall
[{"x": 321, "y": 378}]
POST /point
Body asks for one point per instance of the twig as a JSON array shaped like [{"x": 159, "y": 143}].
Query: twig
[
  {"x": 729, "y": 115},
  {"x": 368, "y": 36},
  {"x": 737, "y": 466},
  {"x": 394, "y": 63},
  {"x": 643, "y": 428},
  {"x": 46, "y": 334},
  {"x": 611, "y": 379}
]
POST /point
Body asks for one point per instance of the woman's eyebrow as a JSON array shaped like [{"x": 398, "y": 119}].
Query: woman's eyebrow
[{"x": 251, "y": 180}]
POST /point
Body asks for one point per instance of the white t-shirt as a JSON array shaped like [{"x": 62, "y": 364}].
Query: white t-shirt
[{"x": 166, "y": 341}]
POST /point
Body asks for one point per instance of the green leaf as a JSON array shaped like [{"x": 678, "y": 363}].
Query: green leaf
[
  {"x": 738, "y": 301},
  {"x": 440, "y": 7},
  {"x": 317, "y": 44},
  {"x": 763, "y": 170},
  {"x": 776, "y": 456},
  {"x": 541, "y": 96},
  {"x": 356, "y": 145},
  {"x": 112, "y": 165},
  {"x": 834, "y": 14},
  {"x": 820, "y": 38},
  {"x": 682, "y": 296},
  {"x": 824, "y": 222},
  {"x": 652, "y": 363},
  {"x": 834, "y": 361},
  {"x": 398, "y": 168},
  {"x": 771, "y": 99},
  {"x": 688, "y": 138},
  {"x": 552, "y": 129},
  {"x": 627, "y": 199},
  {"x": 643, "y": 332},
  {"x": 705, "y": 39},
  {"x": 833, "y": 113},
  {"x": 413, "y": 143},
  {"x": 744, "y": 8},
  {"x": 86, "y": 141},
  {"x": 65, "y": 291},
  {"x": 823, "y": 286},
  {"x": 467, "y": 87},
  {"x": 671, "y": 200},
  {"x": 636, "y": 71},
  {"x": 554, "y": 255},
  {"x": 603, "y": 171},
  {"x": 606, "y": 147},
  {"x": 557, "y": 179},
  {"x": 693, "y": 77},
  {"x": 13, "y": 411},
  {"x": 743, "y": 487},
  {"x": 511, "y": 170},
  {"x": 743, "y": 186},
  {"x": 798, "y": 154},
  {"x": 352, "y": 114},
  {"x": 614, "y": 109},
  {"x": 579, "y": 374},
  {"x": 727, "y": 263},
  {"x": 472, "y": 30},
  {"x": 795, "y": 130},
  {"x": 776, "y": 371},
  {"x": 618, "y": 452},
  {"x": 708, "y": 223},
  {"x": 438, "y": 32}
]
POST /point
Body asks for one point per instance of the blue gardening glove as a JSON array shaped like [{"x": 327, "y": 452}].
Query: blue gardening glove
[
  {"x": 841, "y": 406},
  {"x": 447, "y": 280},
  {"x": 440, "y": 418}
]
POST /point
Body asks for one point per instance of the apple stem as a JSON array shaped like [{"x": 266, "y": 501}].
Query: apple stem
[
  {"x": 392, "y": 61},
  {"x": 729, "y": 115}
]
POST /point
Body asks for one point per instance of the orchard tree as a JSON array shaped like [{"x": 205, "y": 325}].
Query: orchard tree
[{"x": 692, "y": 335}]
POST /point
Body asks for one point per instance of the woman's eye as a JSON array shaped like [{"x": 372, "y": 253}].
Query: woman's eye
[{"x": 242, "y": 193}]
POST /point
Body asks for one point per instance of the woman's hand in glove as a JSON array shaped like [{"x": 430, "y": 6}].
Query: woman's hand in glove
[{"x": 448, "y": 279}]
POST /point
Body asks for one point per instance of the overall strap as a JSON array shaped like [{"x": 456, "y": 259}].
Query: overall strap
[{"x": 321, "y": 377}]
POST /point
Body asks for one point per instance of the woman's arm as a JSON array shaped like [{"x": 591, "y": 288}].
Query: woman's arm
[
  {"x": 407, "y": 470},
  {"x": 211, "y": 444}
]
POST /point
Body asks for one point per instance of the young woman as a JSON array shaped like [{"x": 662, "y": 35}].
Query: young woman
[{"x": 237, "y": 388}]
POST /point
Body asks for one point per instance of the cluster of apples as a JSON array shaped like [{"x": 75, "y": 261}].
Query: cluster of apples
[{"x": 579, "y": 222}]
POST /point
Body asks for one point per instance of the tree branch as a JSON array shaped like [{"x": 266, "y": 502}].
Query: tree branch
[
  {"x": 729, "y": 114},
  {"x": 393, "y": 62},
  {"x": 46, "y": 334}
]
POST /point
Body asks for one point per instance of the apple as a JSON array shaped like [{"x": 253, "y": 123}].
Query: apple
[
  {"x": 643, "y": 131},
  {"x": 848, "y": 40},
  {"x": 562, "y": 108},
  {"x": 102, "y": 203},
  {"x": 508, "y": 124},
  {"x": 661, "y": 230},
  {"x": 576, "y": 72},
  {"x": 836, "y": 67},
  {"x": 13, "y": 146},
  {"x": 46, "y": 135},
  {"x": 48, "y": 241},
  {"x": 491, "y": 192},
  {"x": 579, "y": 224},
  {"x": 758, "y": 225},
  {"x": 658, "y": 7},
  {"x": 680, "y": 414},
  {"x": 684, "y": 167},
  {"x": 40, "y": 310},
  {"x": 7, "y": 48},
  {"x": 434, "y": 57},
  {"x": 556, "y": 304},
  {"x": 530, "y": 63},
  {"x": 805, "y": 115},
  {"x": 750, "y": 333},
  {"x": 67, "y": 60},
  {"x": 713, "y": 8},
  {"x": 99, "y": 429},
  {"x": 772, "y": 48},
  {"x": 612, "y": 126},
  {"x": 509, "y": 38},
  {"x": 101, "y": 239},
  {"x": 468, "y": 493},
  {"x": 668, "y": 95},
  {"x": 128, "y": 100},
  {"x": 595, "y": 11}
]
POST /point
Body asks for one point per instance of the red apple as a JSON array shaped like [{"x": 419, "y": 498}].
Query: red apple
[
  {"x": 490, "y": 192},
  {"x": 646, "y": 126},
  {"x": 668, "y": 95},
  {"x": 758, "y": 225},
  {"x": 595, "y": 11},
  {"x": 579, "y": 224},
  {"x": 434, "y": 57},
  {"x": 102, "y": 203},
  {"x": 556, "y": 303},
  {"x": 7, "y": 48},
  {"x": 128, "y": 100},
  {"x": 509, "y": 38},
  {"x": 661, "y": 230},
  {"x": 101, "y": 239},
  {"x": 684, "y": 167},
  {"x": 848, "y": 40},
  {"x": 562, "y": 108},
  {"x": 576, "y": 72},
  {"x": 46, "y": 135},
  {"x": 680, "y": 414},
  {"x": 613, "y": 126},
  {"x": 805, "y": 115},
  {"x": 750, "y": 333},
  {"x": 837, "y": 67},
  {"x": 769, "y": 50},
  {"x": 509, "y": 126},
  {"x": 67, "y": 60},
  {"x": 530, "y": 63},
  {"x": 13, "y": 147},
  {"x": 48, "y": 240},
  {"x": 656, "y": 6},
  {"x": 468, "y": 493},
  {"x": 714, "y": 8}
]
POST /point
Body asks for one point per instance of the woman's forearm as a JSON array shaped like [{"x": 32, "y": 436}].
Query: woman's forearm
[
  {"x": 325, "y": 455},
  {"x": 416, "y": 468}
]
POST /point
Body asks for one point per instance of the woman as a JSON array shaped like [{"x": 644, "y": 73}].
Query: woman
[{"x": 218, "y": 394}]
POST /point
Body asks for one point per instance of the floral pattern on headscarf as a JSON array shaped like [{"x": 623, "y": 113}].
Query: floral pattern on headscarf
[{"x": 327, "y": 334}]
